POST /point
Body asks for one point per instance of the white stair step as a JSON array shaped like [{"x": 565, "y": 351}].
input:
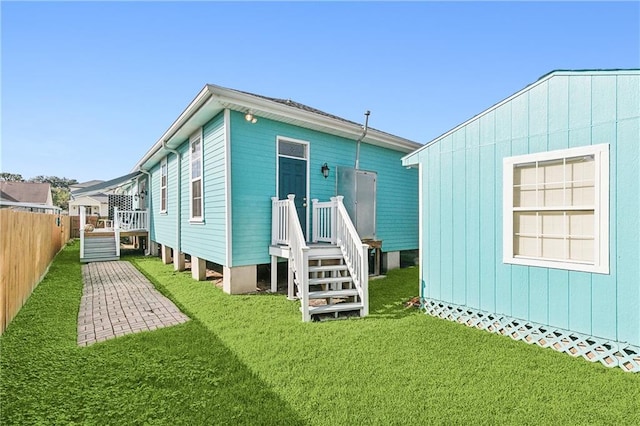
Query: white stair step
[
  {"x": 338, "y": 307},
  {"x": 325, "y": 253},
  {"x": 330, "y": 280},
  {"x": 333, "y": 293},
  {"x": 328, "y": 268}
]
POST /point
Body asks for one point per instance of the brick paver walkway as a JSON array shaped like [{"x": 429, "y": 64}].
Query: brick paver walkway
[{"x": 117, "y": 300}]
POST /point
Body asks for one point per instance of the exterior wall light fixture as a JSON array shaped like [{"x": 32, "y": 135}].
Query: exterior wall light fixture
[
  {"x": 325, "y": 170},
  {"x": 250, "y": 117}
]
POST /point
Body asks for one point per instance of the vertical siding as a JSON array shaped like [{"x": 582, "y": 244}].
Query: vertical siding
[
  {"x": 253, "y": 175},
  {"x": 627, "y": 206},
  {"x": 206, "y": 240},
  {"x": 462, "y": 203}
]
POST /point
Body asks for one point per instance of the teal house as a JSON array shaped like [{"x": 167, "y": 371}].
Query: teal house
[
  {"x": 530, "y": 217},
  {"x": 219, "y": 182}
]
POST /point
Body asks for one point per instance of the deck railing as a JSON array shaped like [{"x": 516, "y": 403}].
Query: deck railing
[
  {"x": 324, "y": 225},
  {"x": 130, "y": 220},
  {"x": 279, "y": 221}
]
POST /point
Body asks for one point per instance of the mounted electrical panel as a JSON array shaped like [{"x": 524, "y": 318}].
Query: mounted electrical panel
[{"x": 358, "y": 187}]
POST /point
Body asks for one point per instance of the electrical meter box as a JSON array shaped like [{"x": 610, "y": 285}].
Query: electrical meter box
[{"x": 358, "y": 187}]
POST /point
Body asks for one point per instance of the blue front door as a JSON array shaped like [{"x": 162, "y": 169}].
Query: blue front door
[{"x": 292, "y": 179}]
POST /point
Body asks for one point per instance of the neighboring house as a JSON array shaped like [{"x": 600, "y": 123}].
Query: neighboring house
[
  {"x": 215, "y": 170},
  {"x": 96, "y": 205},
  {"x": 29, "y": 194},
  {"x": 529, "y": 217}
]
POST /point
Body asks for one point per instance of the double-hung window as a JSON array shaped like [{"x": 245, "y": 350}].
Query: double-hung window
[
  {"x": 163, "y": 185},
  {"x": 556, "y": 209},
  {"x": 195, "y": 143}
]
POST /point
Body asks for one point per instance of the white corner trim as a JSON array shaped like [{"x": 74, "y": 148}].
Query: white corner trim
[
  {"x": 421, "y": 221},
  {"x": 228, "y": 190}
]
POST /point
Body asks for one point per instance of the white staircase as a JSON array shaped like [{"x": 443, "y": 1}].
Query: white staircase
[
  {"x": 100, "y": 248},
  {"x": 331, "y": 290},
  {"x": 330, "y": 276},
  {"x": 103, "y": 244}
]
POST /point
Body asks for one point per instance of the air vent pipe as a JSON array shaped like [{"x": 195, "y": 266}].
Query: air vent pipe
[{"x": 359, "y": 141}]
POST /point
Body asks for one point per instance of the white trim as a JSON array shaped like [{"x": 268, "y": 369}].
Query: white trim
[
  {"x": 421, "y": 255},
  {"x": 601, "y": 209},
  {"x": 228, "y": 190},
  {"x": 307, "y": 152},
  {"x": 164, "y": 163},
  {"x": 198, "y": 134}
]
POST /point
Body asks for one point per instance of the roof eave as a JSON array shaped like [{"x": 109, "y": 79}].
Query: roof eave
[
  {"x": 541, "y": 80},
  {"x": 213, "y": 99}
]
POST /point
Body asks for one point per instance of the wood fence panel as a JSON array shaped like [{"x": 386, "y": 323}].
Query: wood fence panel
[{"x": 28, "y": 244}]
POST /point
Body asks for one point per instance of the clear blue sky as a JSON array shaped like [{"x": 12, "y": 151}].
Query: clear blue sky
[{"x": 87, "y": 88}]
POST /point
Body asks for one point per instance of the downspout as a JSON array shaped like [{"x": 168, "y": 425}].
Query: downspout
[
  {"x": 148, "y": 224},
  {"x": 359, "y": 141},
  {"x": 178, "y": 193}
]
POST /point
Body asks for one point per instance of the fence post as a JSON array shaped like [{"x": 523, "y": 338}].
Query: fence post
[
  {"x": 334, "y": 217},
  {"x": 275, "y": 213},
  {"x": 82, "y": 225}
]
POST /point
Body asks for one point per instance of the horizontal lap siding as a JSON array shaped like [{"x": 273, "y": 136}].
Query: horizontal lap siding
[
  {"x": 254, "y": 157},
  {"x": 207, "y": 240},
  {"x": 164, "y": 225},
  {"x": 462, "y": 204}
]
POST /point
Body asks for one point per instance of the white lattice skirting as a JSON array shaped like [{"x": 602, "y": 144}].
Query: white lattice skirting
[{"x": 609, "y": 353}]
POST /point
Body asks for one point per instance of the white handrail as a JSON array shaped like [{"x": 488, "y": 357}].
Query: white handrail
[
  {"x": 354, "y": 251},
  {"x": 331, "y": 223},
  {"x": 298, "y": 258}
]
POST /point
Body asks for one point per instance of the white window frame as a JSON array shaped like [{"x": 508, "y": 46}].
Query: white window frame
[
  {"x": 197, "y": 135},
  {"x": 164, "y": 187},
  {"x": 600, "y": 263}
]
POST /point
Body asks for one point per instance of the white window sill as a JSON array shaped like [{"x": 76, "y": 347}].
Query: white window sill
[
  {"x": 568, "y": 266},
  {"x": 196, "y": 221}
]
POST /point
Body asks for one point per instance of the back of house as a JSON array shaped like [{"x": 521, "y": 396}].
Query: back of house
[{"x": 212, "y": 176}]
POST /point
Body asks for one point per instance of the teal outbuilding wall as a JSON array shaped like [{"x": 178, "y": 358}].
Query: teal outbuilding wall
[{"x": 462, "y": 206}]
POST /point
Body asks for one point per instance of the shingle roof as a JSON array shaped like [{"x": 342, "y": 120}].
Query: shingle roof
[
  {"x": 298, "y": 105},
  {"x": 307, "y": 108},
  {"x": 25, "y": 192}
]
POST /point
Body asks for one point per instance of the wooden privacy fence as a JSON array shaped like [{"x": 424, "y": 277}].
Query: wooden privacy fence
[{"x": 28, "y": 244}]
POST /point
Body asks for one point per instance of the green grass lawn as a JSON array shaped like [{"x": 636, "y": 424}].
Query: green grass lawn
[{"x": 250, "y": 360}]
